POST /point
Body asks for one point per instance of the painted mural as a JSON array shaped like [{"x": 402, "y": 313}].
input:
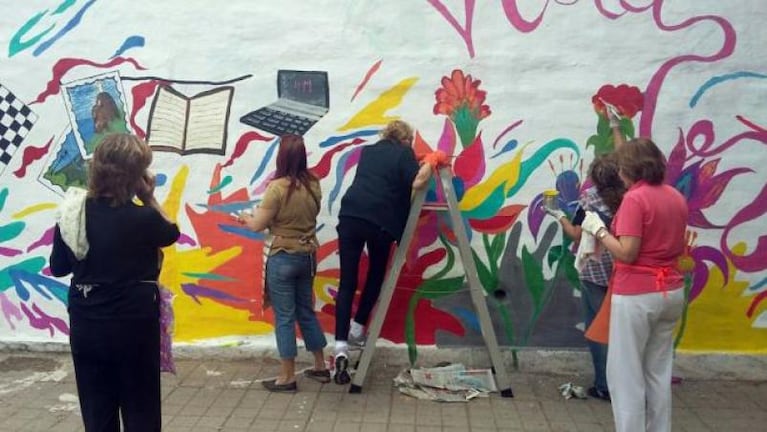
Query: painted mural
[{"x": 513, "y": 91}]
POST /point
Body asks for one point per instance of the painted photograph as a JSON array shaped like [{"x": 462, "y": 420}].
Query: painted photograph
[
  {"x": 65, "y": 166},
  {"x": 96, "y": 108}
]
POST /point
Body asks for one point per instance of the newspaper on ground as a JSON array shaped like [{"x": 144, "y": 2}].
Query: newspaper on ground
[
  {"x": 450, "y": 383},
  {"x": 570, "y": 390}
]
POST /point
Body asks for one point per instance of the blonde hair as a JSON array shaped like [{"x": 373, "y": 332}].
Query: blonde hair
[
  {"x": 398, "y": 131},
  {"x": 118, "y": 164}
]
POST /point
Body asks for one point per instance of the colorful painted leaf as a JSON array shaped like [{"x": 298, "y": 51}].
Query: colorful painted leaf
[
  {"x": 500, "y": 222},
  {"x": 676, "y": 160},
  {"x": 533, "y": 277},
  {"x": 486, "y": 277},
  {"x": 447, "y": 140},
  {"x": 535, "y": 215},
  {"x": 697, "y": 219},
  {"x": 708, "y": 192},
  {"x": 470, "y": 164},
  {"x": 555, "y": 253},
  {"x": 435, "y": 288},
  {"x": 420, "y": 147},
  {"x": 11, "y": 231}
]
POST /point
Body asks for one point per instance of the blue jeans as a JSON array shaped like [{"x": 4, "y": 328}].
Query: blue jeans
[
  {"x": 592, "y": 296},
  {"x": 289, "y": 279}
]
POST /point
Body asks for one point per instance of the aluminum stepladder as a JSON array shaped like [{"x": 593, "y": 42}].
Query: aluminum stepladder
[{"x": 445, "y": 176}]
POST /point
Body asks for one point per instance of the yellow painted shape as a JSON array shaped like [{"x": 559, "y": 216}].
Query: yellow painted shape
[
  {"x": 33, "y": 209},
  {"x": 507, "y": 174},
  {"x": 717, "y": 320},
  {"x": 319, "y": 288},
  {"x": 172, "y": 204},
  {"x": 374, "y": 113},
  {"x": 208, "y": 319}
]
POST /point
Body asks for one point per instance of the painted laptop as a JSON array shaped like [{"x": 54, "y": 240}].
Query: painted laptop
[{"x": 302, "y": 100}]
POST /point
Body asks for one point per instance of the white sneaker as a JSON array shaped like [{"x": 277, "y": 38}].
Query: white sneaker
[{"x": 357, "y": 343}]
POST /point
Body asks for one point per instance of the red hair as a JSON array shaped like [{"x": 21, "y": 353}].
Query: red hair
[{"x": 291, "y": 164}]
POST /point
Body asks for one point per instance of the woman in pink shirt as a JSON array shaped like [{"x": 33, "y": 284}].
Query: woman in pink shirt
[{"x": 646, "y": 240}]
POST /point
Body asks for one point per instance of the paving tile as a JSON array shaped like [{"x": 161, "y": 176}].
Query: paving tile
[{"x": 208, "y": 395}]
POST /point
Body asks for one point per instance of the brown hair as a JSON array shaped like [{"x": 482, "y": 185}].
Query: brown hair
[
  {"x": 291, "y": 164},
  {"x": 118, "y": 164},
  {"x": 603, "y": 172},
  {"x": 641, "y": 159},
  {"x": 398, "y": 131}
]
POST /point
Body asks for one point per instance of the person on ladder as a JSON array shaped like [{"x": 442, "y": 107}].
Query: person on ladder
[{"x": 373, "y": 214}]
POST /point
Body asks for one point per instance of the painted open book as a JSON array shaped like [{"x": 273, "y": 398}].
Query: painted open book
[{"x": 185, "y": 125}]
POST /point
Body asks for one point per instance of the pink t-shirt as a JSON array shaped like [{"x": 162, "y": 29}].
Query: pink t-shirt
[{"x": 658, "y": 215}]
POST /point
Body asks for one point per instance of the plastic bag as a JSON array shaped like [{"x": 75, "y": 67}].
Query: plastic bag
[{"x": 166, "y": 331}]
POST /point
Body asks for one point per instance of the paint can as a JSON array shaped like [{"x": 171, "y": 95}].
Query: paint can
[{"x": 550, "y": 199}]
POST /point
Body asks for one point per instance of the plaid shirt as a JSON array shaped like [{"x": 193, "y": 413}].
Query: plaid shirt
[{"x": 598, "y": 270}]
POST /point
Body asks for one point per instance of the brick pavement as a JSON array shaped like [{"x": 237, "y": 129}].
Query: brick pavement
[{"x": 218, "y": 395}]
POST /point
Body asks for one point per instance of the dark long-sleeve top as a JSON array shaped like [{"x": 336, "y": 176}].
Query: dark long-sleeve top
[
  {"x": 381, "y": 189},
  {"x": 123, "y": 253}
]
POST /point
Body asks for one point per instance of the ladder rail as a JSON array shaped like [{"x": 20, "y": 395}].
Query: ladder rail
[
  {"x": 387, "y": 290},
  {"x": 476, "y": 291}
]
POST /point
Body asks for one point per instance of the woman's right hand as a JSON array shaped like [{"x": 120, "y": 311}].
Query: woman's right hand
[{"x": 146, "y": 187}]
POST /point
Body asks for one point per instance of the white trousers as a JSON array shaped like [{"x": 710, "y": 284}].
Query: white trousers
[{"x": 640, "y": 359}]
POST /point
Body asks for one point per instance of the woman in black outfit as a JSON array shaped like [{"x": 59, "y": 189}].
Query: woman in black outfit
[
  {"x": 373, "y": 214},
  {"x": 111, "y": 247}
]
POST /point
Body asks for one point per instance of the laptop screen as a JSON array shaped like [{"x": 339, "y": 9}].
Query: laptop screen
[{"x": 309, "y": 87}]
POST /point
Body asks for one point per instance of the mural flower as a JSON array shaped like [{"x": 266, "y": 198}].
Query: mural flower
[
  {"x": 461, "y": 99},
  {"x": 698, "y": 182},
  {"x": 628, "y": 100},
  {"x": 468, "y": 171}
]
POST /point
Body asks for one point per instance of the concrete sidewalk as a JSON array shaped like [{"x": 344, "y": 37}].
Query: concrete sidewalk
[{"x": 37, "y": 393}]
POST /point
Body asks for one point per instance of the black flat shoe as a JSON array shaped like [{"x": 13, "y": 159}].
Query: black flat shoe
[
  {"x": 342, "y": 373},
  {"x": 272, "y": 386},
  {"x": 322, "y": 376},
  {"x": 599, "y": 394}
]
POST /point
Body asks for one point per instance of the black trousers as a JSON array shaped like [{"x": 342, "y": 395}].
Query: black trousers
[
  {"x": 117, "y": 370},
  {"x": 353, "y": 235}
]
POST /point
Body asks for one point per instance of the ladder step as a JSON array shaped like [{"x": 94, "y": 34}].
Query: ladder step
[{"x": 435, "y": 207}]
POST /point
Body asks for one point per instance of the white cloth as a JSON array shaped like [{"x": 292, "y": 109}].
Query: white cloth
[
  {"x": 71, "y": 220},
  {"x": 587, "y": 249},
  {"x": 640, "y": 359},
  {"x": 592, "y": 223}
]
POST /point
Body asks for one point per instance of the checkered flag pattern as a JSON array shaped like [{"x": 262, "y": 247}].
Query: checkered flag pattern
[{"x": 16, "y": 120}]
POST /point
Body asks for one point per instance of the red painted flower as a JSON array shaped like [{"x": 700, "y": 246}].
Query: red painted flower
[
  {"x": 460, "y": 91},
  {"x": 461, "y": 99},
  {"x": 627, "y": 99}
]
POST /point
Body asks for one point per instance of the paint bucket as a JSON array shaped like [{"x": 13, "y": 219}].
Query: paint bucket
[{"x": 550, "y": 199}]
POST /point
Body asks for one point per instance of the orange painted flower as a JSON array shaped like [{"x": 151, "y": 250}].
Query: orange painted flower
[
  {"x": 461, "y": 99},
  {"x": 460, "y": 91}
]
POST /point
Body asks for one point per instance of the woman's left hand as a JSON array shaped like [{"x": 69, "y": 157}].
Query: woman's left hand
[
  {"x": 592, "y": 223},
  {"x": 244, "y": 217}
]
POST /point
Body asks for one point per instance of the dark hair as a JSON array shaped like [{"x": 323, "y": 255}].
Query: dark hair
[
  {"x": 603, "y": 172},
  {"x": 641, "y": 159},
  {"x": 119, "y": 162},
  {"x": 291, "y": 164},
  {"x": 103, "y": 111}
]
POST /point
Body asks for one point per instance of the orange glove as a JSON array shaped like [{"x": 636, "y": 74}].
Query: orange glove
[{"x": 436, "y": 159}]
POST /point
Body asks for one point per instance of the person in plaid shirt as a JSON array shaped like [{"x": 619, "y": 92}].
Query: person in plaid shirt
[{"x": 603, "y": 198}]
